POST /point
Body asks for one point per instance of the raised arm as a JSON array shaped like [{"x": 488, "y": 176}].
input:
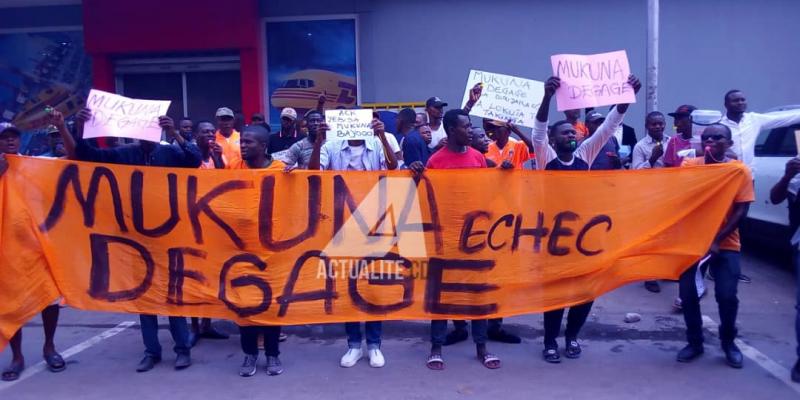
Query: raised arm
[
  {"x": 81, "y": 149},
  {"x": 592, "y": 145},
  {"x": 634, "y": 82},
  {"x": 321, "y": 102},
  {"x": 541, "y": 146},
  {"x": 69, "y": 141},
  {"x": 779, "y": 119},
  {"x": 474, "y": 96},
  {"x": 780, "y": 191},
  {"x": 550, "y": 86},
  {"x": 190, "y": 153},
  {"x": 522, "y": 136},
  {"x": 314, "y": 161},
  {"x": 380, "y": 132}
]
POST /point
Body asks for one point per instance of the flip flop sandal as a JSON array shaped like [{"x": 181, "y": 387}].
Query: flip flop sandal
[
  {"x": 490, "y": 361},
  {"x": 573, "y": 349},
  {"x": 435, "y": 362},
  {"x": 13, "y": 372},
  {"x": 55, "y": 363},
  {"x": 551, "y": 355}
]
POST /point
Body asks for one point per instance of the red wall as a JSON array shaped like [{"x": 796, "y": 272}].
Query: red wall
[{"x": 113, "y": 28}]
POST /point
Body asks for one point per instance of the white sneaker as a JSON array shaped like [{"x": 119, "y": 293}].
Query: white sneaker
[
  {"x": 376, "y": 359},
  {"x": 350, "y": 358}
]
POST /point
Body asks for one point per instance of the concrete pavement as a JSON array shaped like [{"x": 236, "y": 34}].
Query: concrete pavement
[{"x": 620, "y": 361}]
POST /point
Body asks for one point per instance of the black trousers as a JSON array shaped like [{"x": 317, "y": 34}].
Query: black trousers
[
  {"x": 494, "y": 324},
  {"x": 575, "y": 320},
  {"x": 249, "y": 339}
]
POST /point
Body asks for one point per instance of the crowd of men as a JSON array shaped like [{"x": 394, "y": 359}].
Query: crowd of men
[{"x": 435, "y": 139}]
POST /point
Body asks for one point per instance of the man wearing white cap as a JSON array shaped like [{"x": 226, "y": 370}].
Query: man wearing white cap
[
  {"x": 280, "y": 142},
  {"x": 226, "y": 136}
]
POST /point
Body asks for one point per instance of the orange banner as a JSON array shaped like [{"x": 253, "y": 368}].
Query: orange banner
[{"x": 262, "y": 247}]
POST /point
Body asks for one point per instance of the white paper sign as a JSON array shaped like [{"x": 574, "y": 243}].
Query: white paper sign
[
  {"x": 349, "y": 124},
  {"x": 505, "y": 97},
  {"x": 120, "y": 116}
]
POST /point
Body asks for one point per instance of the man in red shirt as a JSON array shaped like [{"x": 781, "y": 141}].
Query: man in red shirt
[{"x": 457, "y": 153}]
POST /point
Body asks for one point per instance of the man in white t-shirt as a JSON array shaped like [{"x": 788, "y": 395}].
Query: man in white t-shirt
[
  {"x": 393, "y": 144},
  {"x": 434, "y": 107}
]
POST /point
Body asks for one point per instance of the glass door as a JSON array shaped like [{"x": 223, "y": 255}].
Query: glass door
[{"x": 197, "y": 86}]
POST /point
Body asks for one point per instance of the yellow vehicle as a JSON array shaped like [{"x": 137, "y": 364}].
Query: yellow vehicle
[
  {"x": 301, "y": 90},
  {"x": 61, "y": 97}
]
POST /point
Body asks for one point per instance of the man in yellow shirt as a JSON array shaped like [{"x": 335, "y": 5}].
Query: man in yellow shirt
[
  {"x": 504, "y": 147},
  {"x": 253, "y": 148},
  {"x": 226, "y": 136}
]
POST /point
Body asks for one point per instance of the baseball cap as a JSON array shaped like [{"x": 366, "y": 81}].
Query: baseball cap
[
  {"x": 224, "y": 112},
  {"x": 594, "y": 116},
  {"x": 683, "y": 111},
  {"x": 10, "y": 128},
  {"x": 290, "y": 113},
  {"x": 496, "y": 122},
  {"x": 435, "y": 102}
]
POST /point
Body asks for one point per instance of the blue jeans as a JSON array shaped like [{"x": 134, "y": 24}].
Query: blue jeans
[
  {"x": 797, "y": 306},
  {"x": 177, "y": 327},
  {"x": 726, "y": 270},
  {"x": 373, "y": 330},
  {"x": 439, "y": 331}
]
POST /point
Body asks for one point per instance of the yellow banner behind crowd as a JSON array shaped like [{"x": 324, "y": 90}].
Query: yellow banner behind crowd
[{"x": 313, "y": 247}]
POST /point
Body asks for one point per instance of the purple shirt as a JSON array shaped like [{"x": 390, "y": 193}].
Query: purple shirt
[{"x": 674, "y": 145}]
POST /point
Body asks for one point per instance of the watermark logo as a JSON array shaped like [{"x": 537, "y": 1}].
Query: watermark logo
[{"x": 388, "y": 218}]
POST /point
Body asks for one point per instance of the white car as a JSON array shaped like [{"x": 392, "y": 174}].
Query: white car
[{"x": 768, "y": 224}]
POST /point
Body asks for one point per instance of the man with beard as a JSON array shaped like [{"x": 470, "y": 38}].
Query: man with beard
[
  {"x": 299, "y": 154},
  {"x": 557, "y": 149}
]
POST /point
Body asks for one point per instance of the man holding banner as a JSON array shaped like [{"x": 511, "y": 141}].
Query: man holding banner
[
  {"x": 558, "y": 149},
  {"x": 457, "y": 154},
  {"x": 357, "y": 155},
  {"x": 724, "y": 259},
  {"x": 254, "y": 144},
  {"x": 9, "y": 144},
  {"x": 184, "y": 155}
]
